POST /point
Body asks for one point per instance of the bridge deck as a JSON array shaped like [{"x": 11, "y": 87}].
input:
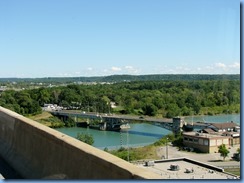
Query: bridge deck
[
  {"x": 102, "y": 115},
  {"x": 162, "y": 122}
]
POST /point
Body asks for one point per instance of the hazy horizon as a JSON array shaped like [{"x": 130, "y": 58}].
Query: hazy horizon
[{"x": 103, "y": 76}]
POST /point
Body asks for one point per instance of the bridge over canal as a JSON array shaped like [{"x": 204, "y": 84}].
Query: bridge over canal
[{"x": 112, "y": 122}]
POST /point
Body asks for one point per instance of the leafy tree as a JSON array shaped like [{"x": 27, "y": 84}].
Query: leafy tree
[
  {"x": 87, "y": 138},
  {"x": 123, "y": 154},
  {"x": 172, "y": 110},
  {"x": 55, "y": 95},
  {"x": 174, "y": 95},
  {"x": 26, "y": 104},
  {"x": 223, "y": 151},
  {"x": 70, "y": 122},
  {"x": 105, "y": 149},
  {"x": 44, "y": 96},
  {"x": 238, "y": 150},
  {"x": 150, "y": 109},
  {"x": 196, "y": 107}
]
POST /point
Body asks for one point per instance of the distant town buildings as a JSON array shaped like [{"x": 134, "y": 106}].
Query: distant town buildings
[
  {"x": 2, "y": 88},
  {"x": 51, "y": 107}
]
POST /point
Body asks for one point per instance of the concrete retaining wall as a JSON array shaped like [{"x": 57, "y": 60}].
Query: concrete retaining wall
[{"x": 36, "y": 151}]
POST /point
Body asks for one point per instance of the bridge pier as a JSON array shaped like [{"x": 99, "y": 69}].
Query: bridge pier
[{"x": 178, "y": 123}]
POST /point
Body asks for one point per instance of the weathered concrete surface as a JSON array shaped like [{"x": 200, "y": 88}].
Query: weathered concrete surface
[
  {"x": 7, "y": 172},
  {"x": 36, "y": 151}
]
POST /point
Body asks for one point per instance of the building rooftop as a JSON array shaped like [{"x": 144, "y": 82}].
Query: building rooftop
[
  {"x": 233, "y": 134},
  {"x": 208, "y": 130},
  {"x": 204, "y": 135},
  {"x": 187, "y": 169},
  {"x": 224, "y": 125}
]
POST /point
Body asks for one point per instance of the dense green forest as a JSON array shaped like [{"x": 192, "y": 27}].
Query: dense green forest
[{"x": 161, "y": 98}]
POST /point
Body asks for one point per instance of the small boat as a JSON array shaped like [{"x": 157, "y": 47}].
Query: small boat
[{"x": 124, "y": 126}]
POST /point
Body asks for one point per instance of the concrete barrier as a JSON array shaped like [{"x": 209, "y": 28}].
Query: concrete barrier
[{"x": 36, "y": 151}]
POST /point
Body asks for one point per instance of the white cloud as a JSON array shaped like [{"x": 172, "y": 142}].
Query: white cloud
[
  {"x": 116, "y": 69},
  {"x": 236, "y": 65},
  {"x": 214, "y": 68},
  {"x": 227, "y": 68},
  {"x": 89, "y": 69},
  {"x": 131, "y": 69},
  {"x": 209, "y": 68},
  {"x": 65, "y": 75},
  {"x": 220, "y": 65}
]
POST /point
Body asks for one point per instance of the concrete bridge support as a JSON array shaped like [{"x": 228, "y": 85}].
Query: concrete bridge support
[{"x": 36, "y": 151}]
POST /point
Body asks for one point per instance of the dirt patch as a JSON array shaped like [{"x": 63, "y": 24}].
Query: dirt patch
[{"x": 43, "y": 115}]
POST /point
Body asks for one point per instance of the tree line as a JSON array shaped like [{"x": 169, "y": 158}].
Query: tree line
[
  {"x": 163, "y": 98},
  {"x": 121, "y": 78}
]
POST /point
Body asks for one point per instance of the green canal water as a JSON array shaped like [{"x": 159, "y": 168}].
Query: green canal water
[{"x": 140, "y": 134}]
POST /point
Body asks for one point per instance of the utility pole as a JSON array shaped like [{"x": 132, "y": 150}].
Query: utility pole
[
  {"x": 121, "y": 139},
  {"x": 128, "y": 154},
  {"x": 167, "y": 148}
]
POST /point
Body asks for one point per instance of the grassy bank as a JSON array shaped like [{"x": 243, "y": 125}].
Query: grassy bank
[
  {"x": 146, "y": 152},
  {"x": 134, "y": 154},
  {"x": 235, "y": 171},
  {"x": 48, "y": 119}
]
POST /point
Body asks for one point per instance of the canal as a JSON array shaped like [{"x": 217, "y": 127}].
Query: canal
[
  {"x": 140, "y": 134},
  {"x": 216, "y": 119}
]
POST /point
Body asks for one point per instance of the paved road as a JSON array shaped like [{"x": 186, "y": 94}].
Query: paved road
[{"x": 104, "y": 115}]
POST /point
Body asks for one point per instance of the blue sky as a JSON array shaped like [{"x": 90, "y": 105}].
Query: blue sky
[{"x": 57, "y": 38}]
